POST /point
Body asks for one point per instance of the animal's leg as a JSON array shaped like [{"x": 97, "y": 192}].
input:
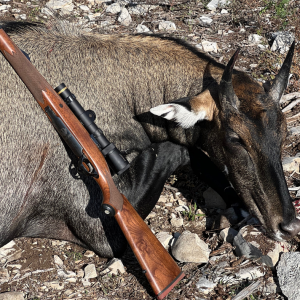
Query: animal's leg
[
  {"x": 142, "y": 184},
  {"x": 210, "y": 173}
]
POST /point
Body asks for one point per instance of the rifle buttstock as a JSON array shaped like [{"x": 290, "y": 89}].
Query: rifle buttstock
[{"x": 159, "y": 267}]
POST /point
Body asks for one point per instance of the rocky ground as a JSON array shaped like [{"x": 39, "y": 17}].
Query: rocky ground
[{"x": 235, "y": 263}]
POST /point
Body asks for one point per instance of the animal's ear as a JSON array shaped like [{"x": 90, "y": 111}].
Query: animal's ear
[{"x": 188, "y": 111}]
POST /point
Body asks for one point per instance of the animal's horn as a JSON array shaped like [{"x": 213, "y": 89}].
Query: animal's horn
[
  {"x": 282, "y": 78},
  {"x": 226, "y": 92}
]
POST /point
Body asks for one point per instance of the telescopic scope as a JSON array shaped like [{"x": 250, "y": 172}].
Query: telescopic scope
[{"x": 115, "y": 159}]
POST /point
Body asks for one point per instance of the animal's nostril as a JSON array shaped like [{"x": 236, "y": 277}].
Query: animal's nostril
[{"x": 293, "y": 227}]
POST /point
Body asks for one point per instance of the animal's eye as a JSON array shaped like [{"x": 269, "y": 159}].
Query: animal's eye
[{"x": 234, "y": 138}]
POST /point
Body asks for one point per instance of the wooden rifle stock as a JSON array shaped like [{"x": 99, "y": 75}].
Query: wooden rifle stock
[{"x": 160, "y": 269}]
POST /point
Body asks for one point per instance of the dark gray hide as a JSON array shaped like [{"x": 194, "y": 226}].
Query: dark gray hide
[{"x": 121, "y": 78}]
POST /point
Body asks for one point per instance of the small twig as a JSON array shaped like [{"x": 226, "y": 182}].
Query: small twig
[
  {"x": 33, "y": 272},
  {"x": 248, "y": 290},
  {"x": 289, "y": 97},
  {"x": 295, "y": 188},
  {"x": 171, "y": 188},
  {"x": 290, "y": 106},
  {"x": 293, "y": 118}
]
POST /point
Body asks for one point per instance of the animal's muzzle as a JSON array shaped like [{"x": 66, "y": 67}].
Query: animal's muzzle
[{"x": 292, "y": 228}]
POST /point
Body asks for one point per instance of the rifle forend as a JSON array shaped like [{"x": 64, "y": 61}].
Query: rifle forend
[{"x": 159, "y": 267}]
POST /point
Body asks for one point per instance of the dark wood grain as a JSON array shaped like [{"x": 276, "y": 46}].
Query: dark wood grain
[{"x": 161, "y": 269}]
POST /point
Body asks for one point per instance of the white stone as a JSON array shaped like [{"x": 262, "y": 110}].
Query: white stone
[
  {"x": 84, "y": 8},
  {"x": 224, "y": 11},
  {"x": 12, "y": 296},
  {"x": 58, "y": 243},
  {"x": 205, "y": 286},
  {"x": 113, "y": 9},
  {"x": 209, "y": 46},
  {"x": 141, "y": 9},
  {"x": 58, "y": 4},
  {"x": 294, "y": 130},
  {"x": 151, "y": 215},
  {"x": 288, "y": 273},
  {"x": 115, "y": 266},
  {"x": 85, "y": 282},
  {"x": 4, "y": 7},
  {"x": 212, "y": 198},
  {"x": 4, "y": 276},
  {"x": 80, "y": 273},
  {"x": 89, "y": 253},
  {"x": 8, "y": 245},
  {"x": 177, "y": 222},
  {"x": 190, "y": 248},
  {"x": 205, "y": 21},
  {"x": 58, "y": 261},
  {"x": 23, "y": 17},
  {"x": 164, "y": 239},
  {"x": 182, "y": 208},
  {"x": 71, "y": 280},
  {"x": 90, "y": 271},
  {"x": 66, "y": 274},
  {"x": 142, "y": 28},
  {"x": 254, "y": 38},
  {"x": 124, "y": 17},
  {"x": 55, "y": 285},
  {"x": 282, "y": 41},
  {"x": 214, "y": 4},
  {"x": 228, "y": 234},
  {"x": 291, "y": 164},
  {"x": 250, "y": 273},
  {"x": 166, "y": 26}
]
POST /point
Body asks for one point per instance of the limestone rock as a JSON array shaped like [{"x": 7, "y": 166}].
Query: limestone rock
[
  {"x": 205, "y": 21},
  {"x": 291, "y": 164},
  {"x": 12, "y": 296},
  {"x": 214, "y": 4},
  {"x": 288, "y": 273},
  {"x": 113, "y": 9},
  {"x": 124, "y": 17},
  {"x": 205, "y": 286},
  {"x": 282, "y": 41},
  {"x": 189, "y": 248},
  {"x": 177, "y": 222},
  {"x": 166, "y": 26},
  {"x": 58, "y": 4},
  {"x": 255, "y": 38},
  {"x": 228, "y": 234},
  {"x": 142, "y": 28},
  {"x": 4, "y": 276},
  {"x": 115, "y": 266},
  {"x": 164, "y": 238},
  {"x": 210, "y": 47},
  {"x": 55, "y": 285},
  {"x": 90, "y": 271},
  {"x": 58, "y": 261}
]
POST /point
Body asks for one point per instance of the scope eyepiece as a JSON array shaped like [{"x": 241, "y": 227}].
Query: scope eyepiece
[{"x": 115, "y": 159}]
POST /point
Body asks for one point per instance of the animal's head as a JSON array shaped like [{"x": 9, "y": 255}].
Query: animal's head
[{"x": 243, "y": 133}]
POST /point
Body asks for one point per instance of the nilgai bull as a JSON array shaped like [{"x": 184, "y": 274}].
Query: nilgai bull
[{"x": 162, "y": 103}]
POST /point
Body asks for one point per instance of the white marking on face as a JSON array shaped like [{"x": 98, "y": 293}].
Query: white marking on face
[{"x": 179, "y": 114}]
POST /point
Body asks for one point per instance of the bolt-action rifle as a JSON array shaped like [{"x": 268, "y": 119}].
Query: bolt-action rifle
[{"x": 76, "y": 129}]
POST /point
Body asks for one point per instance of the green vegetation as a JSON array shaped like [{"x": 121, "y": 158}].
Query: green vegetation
[
  {"x": 191, "y": 214},
  {"x": 74, "y": 255},
  {"x": 280, "y": 7}
]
